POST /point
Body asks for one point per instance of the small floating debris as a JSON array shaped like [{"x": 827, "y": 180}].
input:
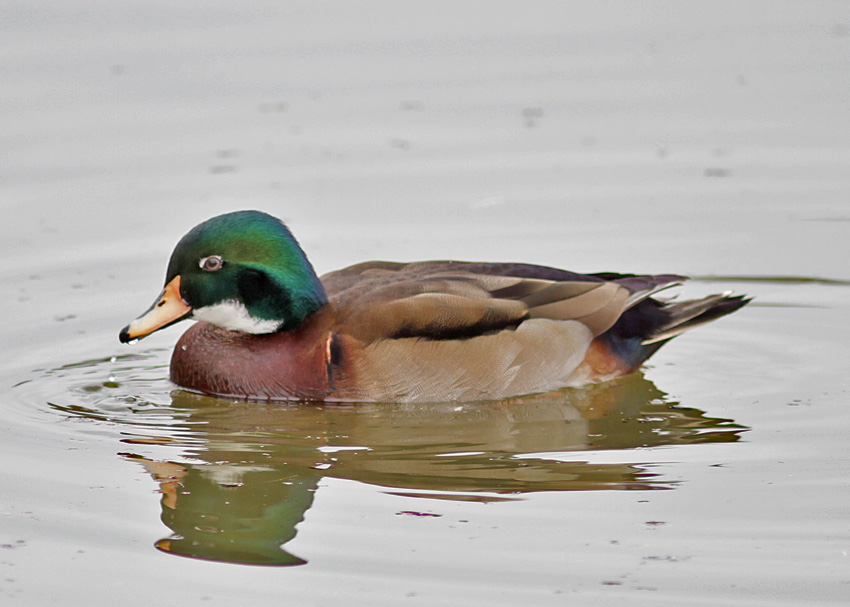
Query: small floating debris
[{"x": 531, "y": 115}]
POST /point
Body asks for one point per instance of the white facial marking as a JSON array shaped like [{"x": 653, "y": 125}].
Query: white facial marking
[{"x": 233, "y": 316}]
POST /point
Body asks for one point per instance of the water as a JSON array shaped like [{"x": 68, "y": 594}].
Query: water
[{"x": 707, "y": 141}]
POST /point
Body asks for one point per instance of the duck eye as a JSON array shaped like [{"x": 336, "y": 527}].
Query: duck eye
[{"x": 211, "y": 263}]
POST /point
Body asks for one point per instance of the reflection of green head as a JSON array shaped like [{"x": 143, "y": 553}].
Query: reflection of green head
[{"x": 244, "y": 522}]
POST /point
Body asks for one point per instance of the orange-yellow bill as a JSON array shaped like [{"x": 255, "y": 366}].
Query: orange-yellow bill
[{"x": 168, "y": 308}]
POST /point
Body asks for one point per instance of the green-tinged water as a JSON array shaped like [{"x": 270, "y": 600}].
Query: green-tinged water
[{"x": 707, "y": 141}]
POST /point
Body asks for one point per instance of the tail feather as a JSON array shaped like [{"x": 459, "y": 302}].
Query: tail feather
[
  {"x": 687, "y": 315},
  {"x": 650, "y": 324}
]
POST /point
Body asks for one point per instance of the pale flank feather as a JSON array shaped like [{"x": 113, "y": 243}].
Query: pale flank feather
[{"x": 539, "y": 355}]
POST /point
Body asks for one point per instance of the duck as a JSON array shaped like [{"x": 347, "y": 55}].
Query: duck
[{"x": 270, "y": 329}]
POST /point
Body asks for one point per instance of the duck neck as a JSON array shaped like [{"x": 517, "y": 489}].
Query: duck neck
[{"x": 285, "y": 302}]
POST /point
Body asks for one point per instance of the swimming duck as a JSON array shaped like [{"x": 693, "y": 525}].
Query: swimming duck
[{"x": 379, "y": 331}]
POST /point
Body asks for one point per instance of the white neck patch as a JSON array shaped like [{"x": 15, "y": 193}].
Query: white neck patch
[{"x": 233, "y": 316}]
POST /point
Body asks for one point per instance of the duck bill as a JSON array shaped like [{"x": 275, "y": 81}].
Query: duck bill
[{"x": 168, "y": 308}]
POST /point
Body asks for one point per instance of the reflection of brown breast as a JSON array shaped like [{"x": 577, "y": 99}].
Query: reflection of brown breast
[{"x": 288, "y": 365}]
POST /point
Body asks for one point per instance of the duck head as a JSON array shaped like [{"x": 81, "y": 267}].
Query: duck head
[{"x": 241, "y": 271}]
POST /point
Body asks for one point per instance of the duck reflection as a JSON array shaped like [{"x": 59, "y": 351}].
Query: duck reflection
[{"x": 254, "y": 468}]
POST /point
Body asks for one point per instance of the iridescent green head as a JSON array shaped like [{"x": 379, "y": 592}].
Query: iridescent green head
[{"x": 242, "y": 271}]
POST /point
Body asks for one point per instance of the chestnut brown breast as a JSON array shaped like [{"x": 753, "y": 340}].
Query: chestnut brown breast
[{"x": 289, "y": 365}]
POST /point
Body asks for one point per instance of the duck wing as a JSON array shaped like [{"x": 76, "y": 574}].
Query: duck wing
[{"x": 442, "y": 300}]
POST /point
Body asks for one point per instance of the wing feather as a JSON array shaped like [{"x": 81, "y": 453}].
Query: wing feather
[{"x": 450, "y": 300}]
